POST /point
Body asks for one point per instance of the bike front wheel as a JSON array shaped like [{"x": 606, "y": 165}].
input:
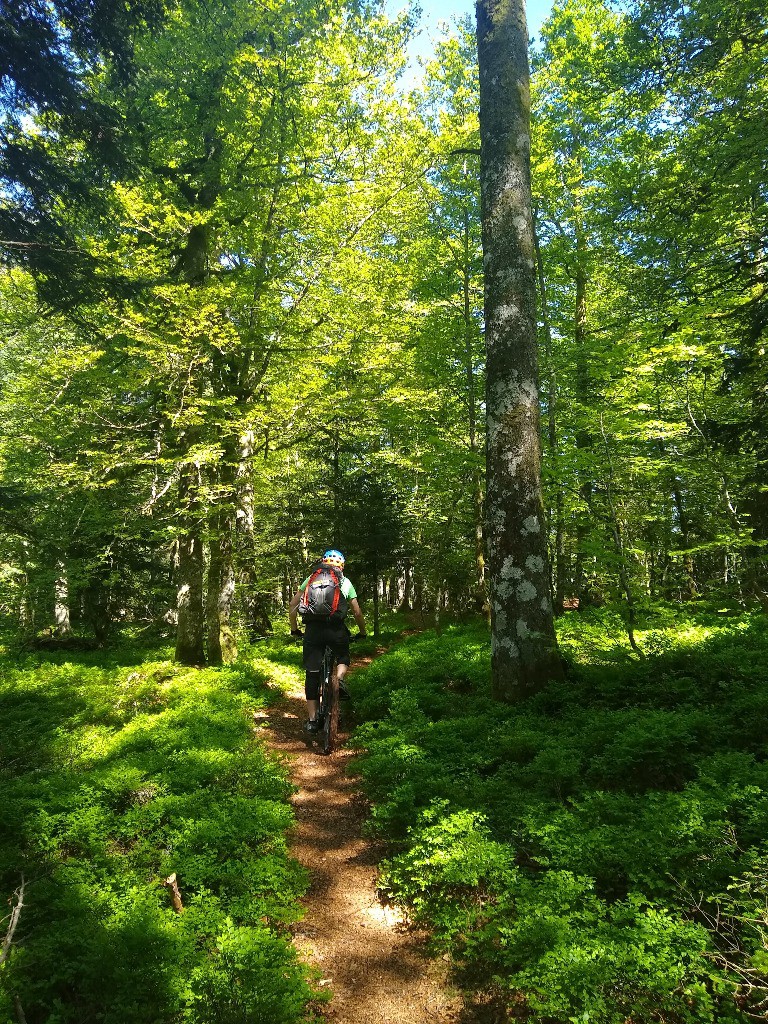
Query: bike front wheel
[{"x": 331, "y": 720}]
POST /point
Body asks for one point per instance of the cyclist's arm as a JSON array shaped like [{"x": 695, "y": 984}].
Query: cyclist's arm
[
  {"x": 293, "y": 608},
  {"x": 355, "y": 608}
]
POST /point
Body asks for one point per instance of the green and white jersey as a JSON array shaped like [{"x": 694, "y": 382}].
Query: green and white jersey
[{"x": 347, "y": 590}]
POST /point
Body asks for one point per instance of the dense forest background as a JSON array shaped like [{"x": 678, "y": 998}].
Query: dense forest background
[
  {"x": 242, "y": 312},
  {"x": 241, "y": 320}
]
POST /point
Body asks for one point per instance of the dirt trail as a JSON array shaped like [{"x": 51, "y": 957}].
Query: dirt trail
[{"x": 377, "y": 969}]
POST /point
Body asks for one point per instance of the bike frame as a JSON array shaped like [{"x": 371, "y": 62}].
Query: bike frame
[{"x": 329, "y": 701}]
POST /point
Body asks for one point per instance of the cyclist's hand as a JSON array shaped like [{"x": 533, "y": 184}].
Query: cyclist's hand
[
  {"x": 297, "y": 634},
  {"x": 359, "y": 636}
]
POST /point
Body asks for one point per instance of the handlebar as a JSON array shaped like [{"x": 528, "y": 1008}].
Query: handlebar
[{"x": 296, "y": 634}]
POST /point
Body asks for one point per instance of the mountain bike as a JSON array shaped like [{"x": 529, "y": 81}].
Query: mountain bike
[
  {"x": 328, "y": 713},
  {"x": 331, "y": 692}
]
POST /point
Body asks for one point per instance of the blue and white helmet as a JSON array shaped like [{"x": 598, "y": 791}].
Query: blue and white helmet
[{"x": 334, "y": 558}]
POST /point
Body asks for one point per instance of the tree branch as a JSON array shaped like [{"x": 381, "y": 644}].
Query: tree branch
[{"x": 15, "y": 915}]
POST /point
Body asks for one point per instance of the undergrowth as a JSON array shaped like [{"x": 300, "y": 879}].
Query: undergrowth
[
  {"x": 118, "y": 771},
  {"x": 598, "y": 852}
]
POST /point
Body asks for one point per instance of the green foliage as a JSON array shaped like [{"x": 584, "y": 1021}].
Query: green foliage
[
  {"x": 598, "y": 850},
  {"x": 232, "y": 989},
  {"x": 118, "y": 771},
  {"x": 279, "y": 345}
]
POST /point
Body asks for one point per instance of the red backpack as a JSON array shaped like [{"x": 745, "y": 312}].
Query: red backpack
[{"x": 322, "y": 598}]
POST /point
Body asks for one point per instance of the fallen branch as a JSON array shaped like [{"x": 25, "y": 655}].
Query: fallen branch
[{"x": 15, "y": 915}]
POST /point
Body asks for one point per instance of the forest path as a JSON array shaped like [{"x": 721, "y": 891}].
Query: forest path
[{"x": 378, "y": 970}]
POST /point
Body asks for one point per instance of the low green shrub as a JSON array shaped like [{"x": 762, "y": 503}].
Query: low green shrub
[
  {"x": 117, "y": 772},
  {"x": 598, "y": 852}
]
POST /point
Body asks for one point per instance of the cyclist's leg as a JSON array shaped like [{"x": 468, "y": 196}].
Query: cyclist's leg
[
  {"x": 314, "y": 646},
  {"x": 341, "y": 651}
]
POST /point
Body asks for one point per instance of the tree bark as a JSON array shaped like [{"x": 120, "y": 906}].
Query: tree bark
[
  {"x": 172, "y": 885},
  {"x": 252, "y": 601},
  {"x": 190, "y": 628},
  {"x": 407, "y": 602},
  {"x": 61, "y": 600},
  {"x": 220, "y": 592},
  {"x": 26, "y": 604},
  {"x": 524, "y": 650}
]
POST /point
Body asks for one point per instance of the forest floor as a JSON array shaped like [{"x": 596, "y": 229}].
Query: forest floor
[{"x": 376, "y": 966}]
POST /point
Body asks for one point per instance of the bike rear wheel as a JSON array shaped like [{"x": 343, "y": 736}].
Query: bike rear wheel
[{"x": 330, "y": 708}]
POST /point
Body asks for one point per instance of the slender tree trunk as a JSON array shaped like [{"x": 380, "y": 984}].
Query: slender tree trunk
[
  {"x": 618, "y": 543},
  {"x": 524, "y": 650},
  {"x": 26, "y": 610},
  {"x": 255, "y": 597},
  {"x": 685, "y": 538},
  {"x": 585, "y": 441},
  {"x": 246, "y": 525},
  {"x": 406, "y": 602},
  {"x": 213, "y": 586},
  {"x": 438, "y": 608},
  {"x": 96, "y": 606},
  {"x": 285, "y": 583},
  {"x": 554, "y": 451},
  {"x": 26, "y": 604},
  {"x": 61, "y": 600},
  {"x": 190, "y": 628},
  {"x": 376, "y": 610},
  {"x": 336, "y": 485},
  {"x": 756, "y": 497},
  {"x": 418, "y": 594},
  {"x": 193, "y": 266},
  {"x": 220, "y": 594}
]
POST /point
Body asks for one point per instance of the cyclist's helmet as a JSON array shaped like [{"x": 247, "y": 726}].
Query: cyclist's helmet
[{"x": 334, "y": 558}]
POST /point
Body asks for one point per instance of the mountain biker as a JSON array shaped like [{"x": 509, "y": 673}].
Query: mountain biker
[{"x": 322, "y": 632}]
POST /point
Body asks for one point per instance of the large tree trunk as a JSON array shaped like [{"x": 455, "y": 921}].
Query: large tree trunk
[
  {"x": 190, "y": 629},
  {"x": 524, "y": 649}
]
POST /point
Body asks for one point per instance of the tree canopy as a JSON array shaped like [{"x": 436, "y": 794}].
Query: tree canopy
[
  {"x": 242, "y": 309},
  {"x": 498, "y": 332}
]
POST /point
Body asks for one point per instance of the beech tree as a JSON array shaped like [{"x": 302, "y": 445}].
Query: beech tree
[{"x": 523, "y": 646}]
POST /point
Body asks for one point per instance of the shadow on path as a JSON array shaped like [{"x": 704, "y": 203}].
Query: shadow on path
[{"x": 378, "y": 969}]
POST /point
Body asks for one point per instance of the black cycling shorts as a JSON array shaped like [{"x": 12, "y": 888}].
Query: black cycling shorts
[{"x": 318, "y": 636}]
